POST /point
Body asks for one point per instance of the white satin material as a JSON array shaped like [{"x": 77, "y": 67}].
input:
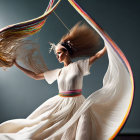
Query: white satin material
[
  {"x": 77, "y": 118},
  {"x": 94, "y": 118}
]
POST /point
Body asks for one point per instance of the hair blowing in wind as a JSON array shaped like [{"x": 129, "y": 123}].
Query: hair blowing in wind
[{"x": 84, "y": 39}]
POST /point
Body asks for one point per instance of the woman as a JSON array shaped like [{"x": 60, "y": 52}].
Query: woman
[{"x": 58, "y": 110}]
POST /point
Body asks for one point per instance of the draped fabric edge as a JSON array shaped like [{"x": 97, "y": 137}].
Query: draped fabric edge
[
  {"x": 48, "y": 11},
  {"x": 110, "y": 44},
  {"x": 13, "y": 45},
  {"x": 117, "y": 50},
  {"x": 112, "y": 49}
]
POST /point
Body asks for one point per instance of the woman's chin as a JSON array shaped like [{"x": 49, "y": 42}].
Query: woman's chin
[{"x": 60, "y": 61}]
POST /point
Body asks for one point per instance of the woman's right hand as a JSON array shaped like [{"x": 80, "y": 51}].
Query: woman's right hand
[{"x": 30, "y": 73}]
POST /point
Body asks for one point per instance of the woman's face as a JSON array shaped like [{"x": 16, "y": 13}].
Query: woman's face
[{"x": 61, "y": 55}]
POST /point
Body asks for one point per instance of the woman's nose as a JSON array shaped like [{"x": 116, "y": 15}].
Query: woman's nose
[{"x": 58, "y": 55}]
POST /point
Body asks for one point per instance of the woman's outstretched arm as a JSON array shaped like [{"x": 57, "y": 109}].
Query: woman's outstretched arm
[
  {"x": 30, "y": 73},
  {"x": 97, "y": 55}
]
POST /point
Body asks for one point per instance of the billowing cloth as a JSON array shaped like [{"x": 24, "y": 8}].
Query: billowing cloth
[
  {"x": 68, "y": 118},
  {"x": 56, "y": 111},
  {"x": 13, "y": 45},
  {"x": 51, "y": 75},
  {"x": 49, "y": 118}
]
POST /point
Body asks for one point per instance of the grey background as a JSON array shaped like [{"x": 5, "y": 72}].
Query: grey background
[{"x": 20, "y": 95}]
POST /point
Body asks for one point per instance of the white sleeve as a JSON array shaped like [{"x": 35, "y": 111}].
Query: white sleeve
[
  {"x": 51, "y": 75},
  {"x": 84, "y": 66}
]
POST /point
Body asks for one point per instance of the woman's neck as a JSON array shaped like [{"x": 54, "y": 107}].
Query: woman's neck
[{"x": 67, "y": 62}]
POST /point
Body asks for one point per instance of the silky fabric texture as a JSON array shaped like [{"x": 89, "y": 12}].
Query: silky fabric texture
[
  {"x": 109, "y": 106},
  {"x": 56, "y": 111}
]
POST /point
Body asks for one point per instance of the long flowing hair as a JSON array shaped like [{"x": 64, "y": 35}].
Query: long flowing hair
[{"x": 84, "y": 40}]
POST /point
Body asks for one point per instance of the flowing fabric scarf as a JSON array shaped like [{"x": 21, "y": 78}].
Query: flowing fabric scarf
[
  {"x": 118, "y": 82},
  {"x": 13, "y": 45}
]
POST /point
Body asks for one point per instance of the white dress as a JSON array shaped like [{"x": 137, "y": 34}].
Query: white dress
[
  {"x": 100, "y": 116},
  {"x": 56, "y": 111}
]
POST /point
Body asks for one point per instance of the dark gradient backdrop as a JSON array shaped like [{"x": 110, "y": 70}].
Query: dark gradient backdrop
[{"x": 20, "y": 95}]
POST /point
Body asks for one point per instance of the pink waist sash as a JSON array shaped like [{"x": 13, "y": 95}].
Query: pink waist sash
[{"x": 70, "y": 93}]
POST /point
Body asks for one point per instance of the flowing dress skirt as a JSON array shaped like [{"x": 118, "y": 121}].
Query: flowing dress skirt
[
  {"x": 98, "y": 117},
  {"x": 48, "y": 118}
]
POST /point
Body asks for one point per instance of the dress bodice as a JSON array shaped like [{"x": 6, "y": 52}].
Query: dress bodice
[{"x": 69, "y": 77}]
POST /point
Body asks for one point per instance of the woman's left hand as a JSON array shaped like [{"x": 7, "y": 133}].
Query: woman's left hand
[
  {"x": 97, "y": 55},
  {"x": 14, "y": 62}
]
